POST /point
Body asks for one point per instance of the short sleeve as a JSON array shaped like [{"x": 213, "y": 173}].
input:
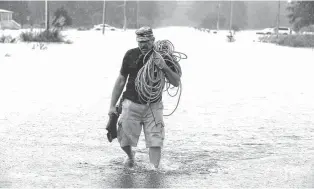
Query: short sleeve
[{"x": 124, "y": 71}]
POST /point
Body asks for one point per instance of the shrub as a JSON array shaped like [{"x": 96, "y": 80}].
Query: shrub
[
  {"x": 43, "y": 36},
  {"x": 297, "y": 40},
  {"x": 7, "y": 39},
  {"x": 307, "y": 29},
  {"x": 2, "y": 39},
  {"x": 235, "y": 28}
]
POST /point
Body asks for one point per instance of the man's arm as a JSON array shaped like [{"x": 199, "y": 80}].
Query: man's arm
[
  {"x": 173, "y": 77},
  {"x": 119, "y": 84},
  {"x": 172, "y": 70},
  {"x": 116, "y": 93}
]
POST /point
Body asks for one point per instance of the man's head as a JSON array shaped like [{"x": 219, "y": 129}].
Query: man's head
[{"x": 145, "y": 39}]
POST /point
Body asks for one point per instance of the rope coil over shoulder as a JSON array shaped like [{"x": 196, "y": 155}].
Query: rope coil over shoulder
[{"x": 151, "y": 80}]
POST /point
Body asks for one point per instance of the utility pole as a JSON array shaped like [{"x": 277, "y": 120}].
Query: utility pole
[
  {"x": 124, "y": 12},
  {"x": 218, "y": 16},
  {"x": 231, "y": 15},
  {"x": 278, "y": 19},
  {"x": 47, "y": 15},
  {"x": 103, "y": 17}
]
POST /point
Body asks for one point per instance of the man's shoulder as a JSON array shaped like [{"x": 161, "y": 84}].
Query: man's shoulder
[{"x": 133, "y": 51}]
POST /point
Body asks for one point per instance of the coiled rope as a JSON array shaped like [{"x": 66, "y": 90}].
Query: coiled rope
[{"x": 151, "y": 80}]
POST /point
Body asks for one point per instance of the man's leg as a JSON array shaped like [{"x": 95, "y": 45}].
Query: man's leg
[
  {"x": 129, "y": 130},
  {"x": 128, "y": 150},
  {"x": 154, "y": 132},
  {"x": 155, "y": 155}
]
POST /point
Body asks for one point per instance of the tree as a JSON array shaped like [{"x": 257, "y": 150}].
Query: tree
[
  {"x": 240, "y": 14},
  {"x": 149, "y": 13},
  {"x": 61, "y": 18},
  {"x": 205, "y": 14},
  {"x": 301, "y": 14}
]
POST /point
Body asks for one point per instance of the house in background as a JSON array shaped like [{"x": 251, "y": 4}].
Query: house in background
[{"x": 6, "y": 21}]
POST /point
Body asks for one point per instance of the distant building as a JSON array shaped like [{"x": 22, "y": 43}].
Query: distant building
[{"x": 6, "y": 21}]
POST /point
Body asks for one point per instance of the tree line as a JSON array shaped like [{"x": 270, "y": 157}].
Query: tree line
[{"x": 246, "y": 14}]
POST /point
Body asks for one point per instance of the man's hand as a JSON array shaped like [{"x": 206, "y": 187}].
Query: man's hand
[
  {"x": 159, "y": 62},
  {"x": 112, "y": 110}
]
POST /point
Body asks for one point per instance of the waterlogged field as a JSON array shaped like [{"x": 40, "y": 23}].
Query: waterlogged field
[{"x": 245, "y": 117}]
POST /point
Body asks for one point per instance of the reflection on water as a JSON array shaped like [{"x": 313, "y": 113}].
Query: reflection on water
[
  {"x": 144, "y": 176},
  {"x": 156, "y": 180},
  {"x": 4, "y": 184},
  {"x": 130, "y": 179},
  {"x": 124, "y": 181}
]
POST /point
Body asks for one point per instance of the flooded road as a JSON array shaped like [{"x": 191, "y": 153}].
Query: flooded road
[{"x": 245, "y": 118}]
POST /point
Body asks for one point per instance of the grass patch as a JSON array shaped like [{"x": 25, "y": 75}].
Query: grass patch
[
  {"x": 53, "y": 36},
  {"x": 297, "y": 40},
  {"x": 7, "y": 39}
]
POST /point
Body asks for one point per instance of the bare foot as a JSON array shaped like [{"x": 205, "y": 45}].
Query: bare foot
[{"x": 129, "y": 162}]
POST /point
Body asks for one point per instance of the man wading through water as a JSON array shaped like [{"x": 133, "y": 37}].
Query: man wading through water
[{"x": 136, "y": 113}]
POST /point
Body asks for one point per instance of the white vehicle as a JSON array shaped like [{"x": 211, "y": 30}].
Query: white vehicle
[
  {"x": 107, "y": 27},
  {"x": 267, "y": 31},
  {"x": 284, "y": 30}
]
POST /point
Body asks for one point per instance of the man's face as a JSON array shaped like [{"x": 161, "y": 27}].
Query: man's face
[{"x": 145, "y": 46}]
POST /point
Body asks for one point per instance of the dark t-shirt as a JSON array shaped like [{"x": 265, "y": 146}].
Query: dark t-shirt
[{"x": 132, "y": 63}]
